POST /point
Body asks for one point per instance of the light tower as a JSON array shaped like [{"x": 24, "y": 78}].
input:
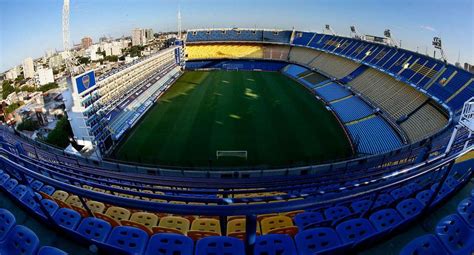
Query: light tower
[
  {"x": 179, "y": 22},
  {"x": 66, "y": 35}
]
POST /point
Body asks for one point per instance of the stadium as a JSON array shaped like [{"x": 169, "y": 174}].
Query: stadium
[{"x": 253, "y": 141}]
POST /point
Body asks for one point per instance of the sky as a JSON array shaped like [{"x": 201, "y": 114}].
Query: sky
[{"x": 30, "y": 27}]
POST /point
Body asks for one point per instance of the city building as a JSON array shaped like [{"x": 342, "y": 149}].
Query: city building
[
  {"x": 138, "y": 37},
  {"x": 11, "y": 74},
  {"x": 86, "y": 42},
  {"x": 45, "y": 76},
  {"x": 28, "y": 68},
  {"x": 56, "y": 61},
  {"x": 149, "y": 34}
]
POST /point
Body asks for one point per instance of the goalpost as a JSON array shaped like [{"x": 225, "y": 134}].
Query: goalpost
[{"x": 238, "y": 154}]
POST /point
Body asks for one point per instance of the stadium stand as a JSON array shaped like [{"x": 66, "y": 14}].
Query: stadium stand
[
  {"x": 333, "y": 66},
  {"x": 302, "y": 56},
  {"x": 276, "y": 52},
  {"x": 332, "y": 91},
  {"x": 351, "y": 108},
  {"x": 325, "y": 209},
  {"x": 423, "y": 123},
  {"x": 213, "y": 51},
  {"x": 373, "y": 135}
]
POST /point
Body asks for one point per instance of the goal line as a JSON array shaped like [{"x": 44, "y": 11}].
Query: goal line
[{"x": 238, "y": 154}]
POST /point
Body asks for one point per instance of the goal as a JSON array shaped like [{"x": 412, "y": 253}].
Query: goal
[{"x": 238, "y": 154}]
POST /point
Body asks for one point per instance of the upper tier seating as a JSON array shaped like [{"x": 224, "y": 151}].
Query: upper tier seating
[
  {"x": 276, "y": 52},
  {"x": 334, "y": 66},
  {"x": 393, "y": 96},
  {"x": 303, "y": 56},
  {"x": 206, "y": 51}
]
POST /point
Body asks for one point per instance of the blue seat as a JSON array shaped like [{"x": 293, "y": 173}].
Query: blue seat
[
  {"x": 385, "y": 220},
  {"x": 455, "y": 235},
  {"x": 48, "y": 250},
  {"x": 361, "y": 206},
  {"x": 383, "y": 200},
  {"x": 48, "y": 190},
  {"x": 414, "y": 187},
  {"x": 466, "y": 211},
  {"x": 29, "y": 201},
  {"x": 302, "y": 220},
  {"x": 424, "y": 196},
  {"x": 317, "y": 240},
  {"x": 50, "y": 206},
  {"x": 400, "y": 193},
  {"x": 355, "y": 230},
  {"x": 409, "y": 208},
  {"x": 7, "y": 222},
  {"x": 219, "y": 245},
  {"x": 424, "y": 245},
  {"x": 170, "y": 244},
  {"x": 4, "y": 178},
  {"x": 10, "y": 184},
  {"x": 67, "y": 218},
  {"x": 94, "y": 229},
  {"x": 19, "y": 191},
  {"x": 36, "y": 185},
  {"x": 336, "y": 212},
  {"x": 274, "y": 244},
  {"x": 443, "y": 191},
  {"x": 20, "y": 240},
  {"x": 130, "y": 239}
]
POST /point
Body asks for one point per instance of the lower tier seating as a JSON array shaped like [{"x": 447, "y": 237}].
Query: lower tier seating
[
  {"x": 352, "y": 108},
  {"x": 18, "y": 239},
  {"x": 424, "y": 122},
  {"x": 373, "y": 135}
]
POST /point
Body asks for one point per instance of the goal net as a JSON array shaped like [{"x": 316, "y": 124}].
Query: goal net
[{"x": 238, "y": 154}]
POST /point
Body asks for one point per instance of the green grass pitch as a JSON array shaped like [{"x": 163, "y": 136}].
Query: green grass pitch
[{"x": 275, "y": 119}]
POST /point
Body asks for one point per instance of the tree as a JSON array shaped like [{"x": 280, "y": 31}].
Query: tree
[
  {"x": 84, "y": 60},
  {"x": 46, "y": 87},
  {"x": 28, "y": 124},
  {"x": 111, "y": 58},
  {"x": 59, "y": 136},
  {"x": 7, "y": 89}
]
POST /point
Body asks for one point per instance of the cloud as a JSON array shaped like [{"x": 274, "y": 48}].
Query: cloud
[{"x": 429, "y": 28}]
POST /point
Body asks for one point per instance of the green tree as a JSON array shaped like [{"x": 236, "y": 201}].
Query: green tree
[
  {"x": 59, "y": 136},
  {"x": 28, "y": 124},
  {"x": 111, "y": 58},
  {"x": 46, "y": 87},
  {"x": 7, "y": 89}
]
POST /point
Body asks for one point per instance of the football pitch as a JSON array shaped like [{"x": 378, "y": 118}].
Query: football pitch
[{"x": 275, "y": 120}]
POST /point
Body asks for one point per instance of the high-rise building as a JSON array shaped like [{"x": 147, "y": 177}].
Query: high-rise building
[
  {"x": 86, "y": 42},
  {"x": 45, "y": 76},
  {"x": 138, "y": 37},
  {"x": 56, "y": 61},
  {"x": 11, "y": 74},
  {"x": 149, "y": 34},
  {"x": 28, "y": 68}
]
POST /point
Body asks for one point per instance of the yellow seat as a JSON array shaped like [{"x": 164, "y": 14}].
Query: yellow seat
[
  {"x": 118, "y": 213},
  {"x": 95, "y": 207},
  {"x": 172, "y": 224},
  {"x": 236, "y": 228},
  {"x": 149, "y": 220},
  {"x": 60, "y": 195},
  {"x": 278, "y": 225},
  {"x": 203, "y": 227},
  {"x": 74, "y": 201}
]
